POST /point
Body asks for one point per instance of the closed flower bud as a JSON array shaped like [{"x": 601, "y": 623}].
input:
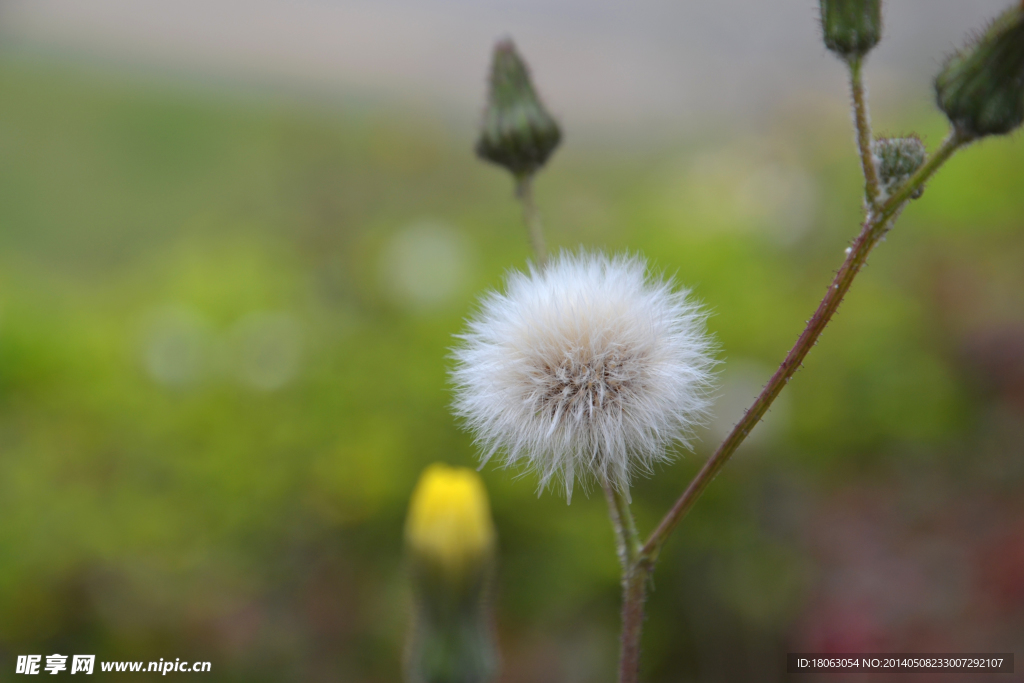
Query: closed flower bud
[
  {"x": 449, "y": 526},
  {"x": 851, "y": 27},
  {"x": 897, "y": 159},
  {"x": 449, "y": 538},
  {"x": 517, "y": 132},
  {"x": 981, "y": 88}
]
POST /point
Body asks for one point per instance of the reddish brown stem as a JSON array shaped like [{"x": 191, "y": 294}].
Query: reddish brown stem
[
  {"x": 874, "y": 228},
  {"x": 634, "y": 595}
]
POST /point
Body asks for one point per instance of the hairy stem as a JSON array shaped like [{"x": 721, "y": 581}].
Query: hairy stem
[
  {"x": 634, "y": 594},
  {"x": 862, "y": 124},
  {"x": 634, "y": 582},
  {"x": 524, "y": 193},
  {"x": 626, "y": 536},
  {"x": 873, "y": 230}
]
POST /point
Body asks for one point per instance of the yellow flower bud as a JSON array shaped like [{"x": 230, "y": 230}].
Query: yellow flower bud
[
  {"x": 450, "y": 539},
  {"x": 449, "y": 524}
]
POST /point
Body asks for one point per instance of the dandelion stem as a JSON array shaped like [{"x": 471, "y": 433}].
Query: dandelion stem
[
  {"x": 873, "y": 229},
  {"x": 634, "y": 582},
  {"x": 634, "y": 594},
  {"x": 626, "y": 536},
  {"x": 862, "y": 125},
  {"x": 531, "y": 216}
]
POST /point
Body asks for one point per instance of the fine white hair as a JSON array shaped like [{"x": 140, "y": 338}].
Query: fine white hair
[{"x": 589, "y": 367}]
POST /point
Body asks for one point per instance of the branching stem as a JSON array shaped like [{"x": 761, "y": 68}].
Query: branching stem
[
  {"x": 639, "y": 564},
  {"x": 638, "y": 559},
  {"x": 874, "y": 228}
]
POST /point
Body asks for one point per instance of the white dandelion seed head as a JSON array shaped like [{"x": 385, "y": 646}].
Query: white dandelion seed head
[{"x": 590, "y": 368}]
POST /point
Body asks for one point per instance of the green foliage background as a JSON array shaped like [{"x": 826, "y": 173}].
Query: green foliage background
[{"x": 205, "y": 519}]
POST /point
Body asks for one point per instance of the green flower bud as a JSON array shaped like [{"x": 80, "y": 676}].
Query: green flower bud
[
  {"x": 897, "y": 159},
  {"x": 851, "y": 27},
  {"x": 981, "y": 88},
  {"x": 517, "y": 132}
]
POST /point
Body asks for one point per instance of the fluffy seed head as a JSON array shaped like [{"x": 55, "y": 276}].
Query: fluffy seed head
[{"x": 587, "y": 368}]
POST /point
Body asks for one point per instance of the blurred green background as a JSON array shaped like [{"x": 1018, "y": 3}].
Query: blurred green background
[{"x": 224, "y": 333}]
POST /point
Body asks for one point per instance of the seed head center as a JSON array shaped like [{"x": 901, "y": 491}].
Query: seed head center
[{"x": 584, "y": 383}]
